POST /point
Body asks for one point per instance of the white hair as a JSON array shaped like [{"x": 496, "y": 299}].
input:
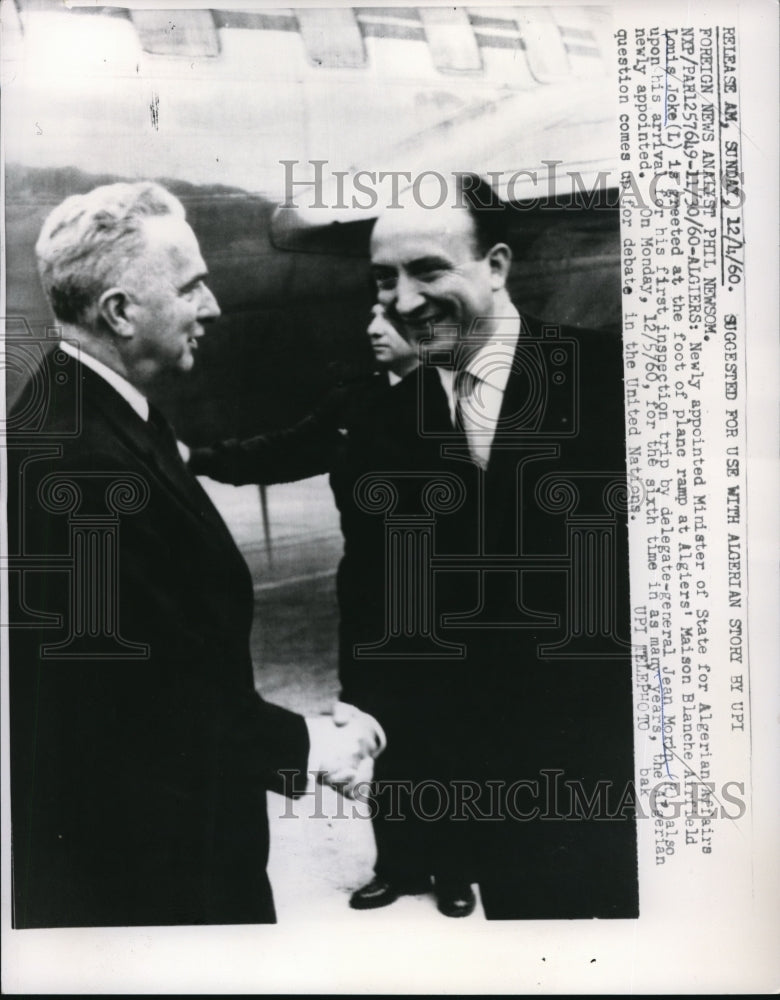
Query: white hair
[{"x": 89, "y": 238}]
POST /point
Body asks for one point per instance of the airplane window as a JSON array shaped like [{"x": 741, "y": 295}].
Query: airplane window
[
  {"x": 390, "y": 22},
  {"x": 544, "y": 46},
  {"x": 271, "y": 20},
  {"x": 176, "y": 32},
  {"x": 332, "y": 37},
  {"x": 579, "y": 39},
  {"x": 451, "y": 40},
  {"x": 599, "y": 22},
  {"x": 25, "y": 7},
  {"x": 494, "y": 29}
]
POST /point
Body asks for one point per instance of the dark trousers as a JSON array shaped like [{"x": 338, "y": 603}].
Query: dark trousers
[{"x": 420, "y": 802}]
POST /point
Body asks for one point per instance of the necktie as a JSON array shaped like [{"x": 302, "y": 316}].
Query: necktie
[
  {"x": 180, "y": 475},
  {"x": 164, "y": 435},
  {"x": 469, "y": 418}
]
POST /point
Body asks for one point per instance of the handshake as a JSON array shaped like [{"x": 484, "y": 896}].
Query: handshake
[{"x": 343, "y": 747}]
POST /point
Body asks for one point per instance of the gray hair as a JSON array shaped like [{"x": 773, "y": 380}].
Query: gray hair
[{"x": 88, "y": 238}]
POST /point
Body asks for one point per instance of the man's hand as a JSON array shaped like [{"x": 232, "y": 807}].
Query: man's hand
[{"x": 343, "y": 747}]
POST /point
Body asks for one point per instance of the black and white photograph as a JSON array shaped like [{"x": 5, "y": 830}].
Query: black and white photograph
[{"x": 375, "y": 546}]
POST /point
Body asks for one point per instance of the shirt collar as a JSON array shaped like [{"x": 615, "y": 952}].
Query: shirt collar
[
  {"x": 127, "y": 391},
  {"x": 483, "y": 365},
  {"x": 492, "y": 363}
]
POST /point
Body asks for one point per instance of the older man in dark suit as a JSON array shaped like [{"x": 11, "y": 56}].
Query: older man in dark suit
[{"x": 140, "y": 750}]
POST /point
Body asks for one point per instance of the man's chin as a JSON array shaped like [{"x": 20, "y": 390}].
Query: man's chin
[
  {"x": 175, "y": 369},
  {"x": 431, "y": 329},
  {"x": 444, "y": 338}
]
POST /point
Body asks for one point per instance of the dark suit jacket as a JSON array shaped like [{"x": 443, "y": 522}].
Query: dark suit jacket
[
  {"x": 527, "y": 573},
  {"x": 543, "y": 618},
  {"x": 140, "y": 751},
  {"x": 365, "y": 431}
]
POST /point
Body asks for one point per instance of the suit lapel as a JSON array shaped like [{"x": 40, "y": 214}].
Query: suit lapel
[
  {"x": 516, "y": 425},
  {"x": 436, "y": 417},
  {"x": 515, "y": 398},
  {"x": 141, "y": 439}
]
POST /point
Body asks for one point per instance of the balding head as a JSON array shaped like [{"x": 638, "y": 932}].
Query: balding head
[{"x": 433, "y": 270}]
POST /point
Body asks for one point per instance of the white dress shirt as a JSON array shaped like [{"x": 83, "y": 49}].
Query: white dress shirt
[
  {"x": 480, "y": 387},
  {"x": 127, "y": 391}
]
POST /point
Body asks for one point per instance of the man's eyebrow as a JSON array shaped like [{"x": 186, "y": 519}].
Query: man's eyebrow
[
  {"x": 432, "y": 263},
  {"x": 201, "y": 276},
  {"x": 419, "y": 266}
]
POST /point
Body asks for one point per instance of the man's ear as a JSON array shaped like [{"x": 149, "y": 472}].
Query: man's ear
[
  {"x": 500, "y": 260},
  {"x": 112, "y": 309}
]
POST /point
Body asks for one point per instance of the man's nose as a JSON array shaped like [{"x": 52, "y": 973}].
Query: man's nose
[
  {"x": 209, "y": 307},
  {"x": 408, "y": 297},
  {"x": 375, "y": 328}
]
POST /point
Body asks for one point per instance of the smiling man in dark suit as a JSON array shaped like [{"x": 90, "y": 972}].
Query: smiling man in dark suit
[
  {"x": 529, "y": 579},
  {"x": 140, "y": 750}
]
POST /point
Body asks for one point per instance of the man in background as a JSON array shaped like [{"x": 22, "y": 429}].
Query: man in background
[{"x": 140, "y": 751}]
